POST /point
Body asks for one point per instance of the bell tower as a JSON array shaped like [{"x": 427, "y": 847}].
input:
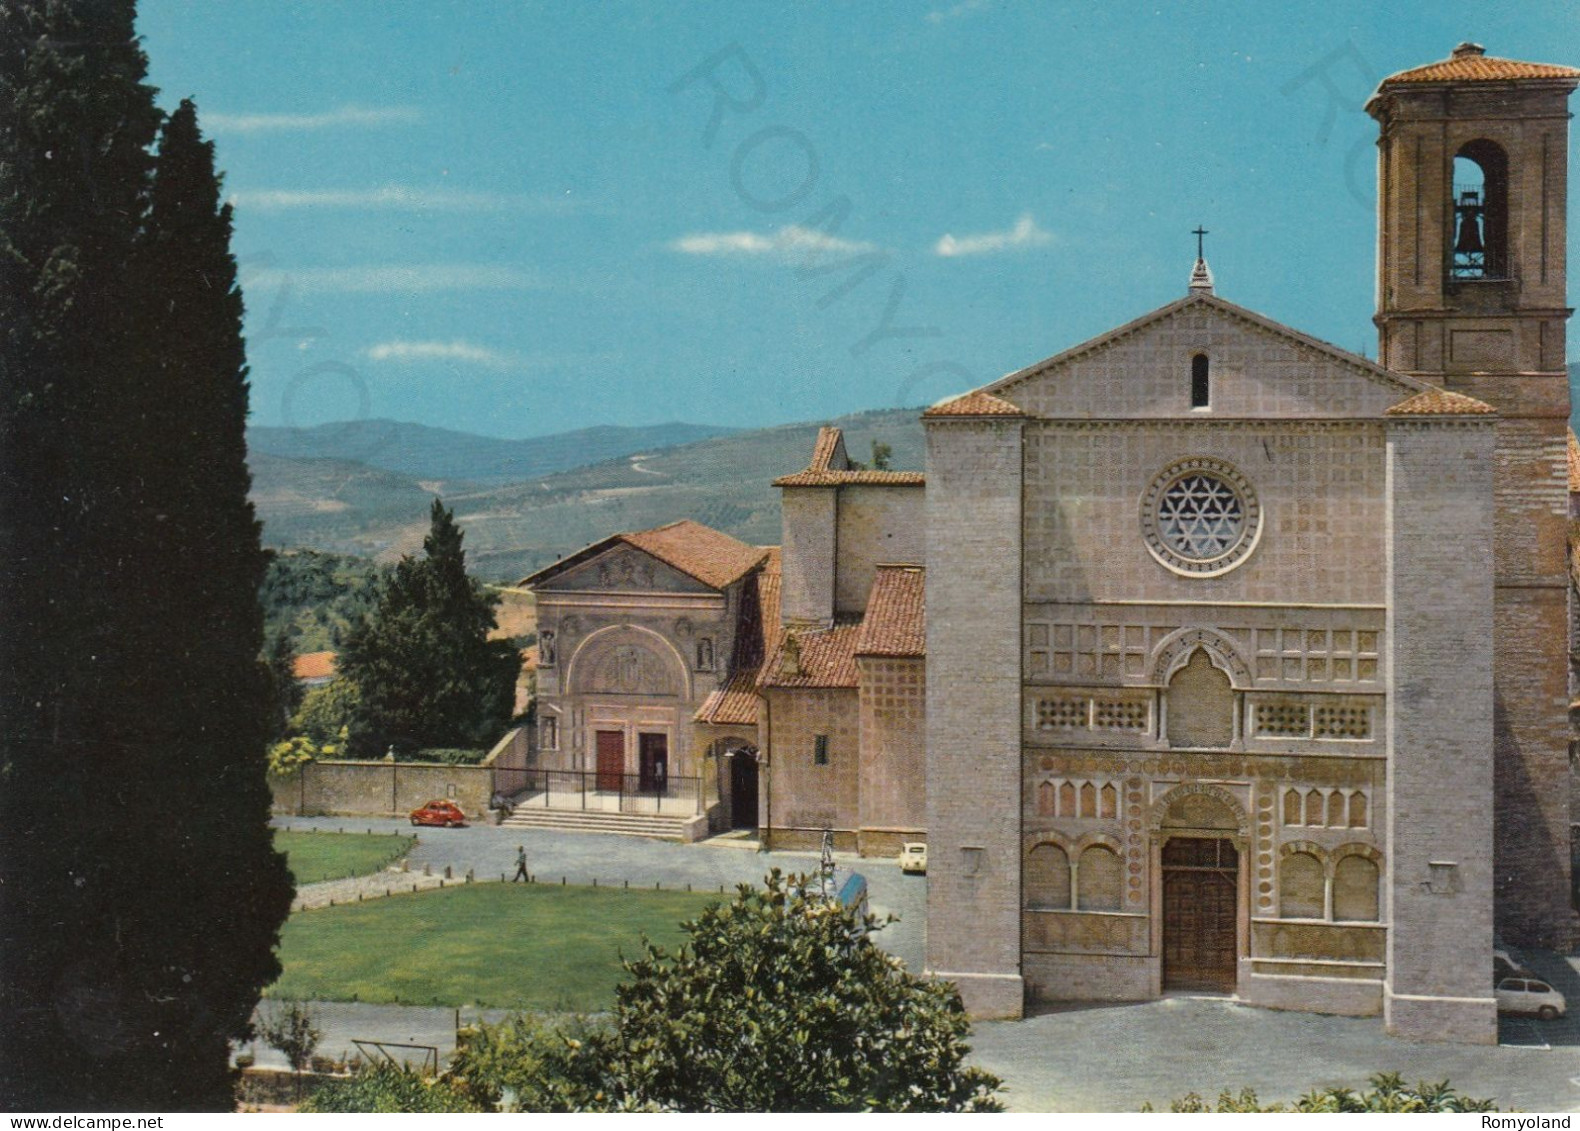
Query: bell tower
[{"x": 1472, "y": 202}]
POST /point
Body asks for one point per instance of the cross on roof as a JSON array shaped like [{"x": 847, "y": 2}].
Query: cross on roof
[{"x": 1199, "y": 232}]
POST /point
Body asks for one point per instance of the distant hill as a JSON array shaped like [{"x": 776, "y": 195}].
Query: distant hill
[
  {"x": 513, "y": 529},
  {"x": 426, "y": 453}
]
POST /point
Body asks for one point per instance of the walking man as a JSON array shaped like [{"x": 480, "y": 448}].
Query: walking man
[{"x": 521, "y": 865}]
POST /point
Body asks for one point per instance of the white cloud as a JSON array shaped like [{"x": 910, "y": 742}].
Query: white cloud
[
  {"x": 786, "y": 243},
  {"x": 328, "y": 119},
  {"x": 406, "y": 352},
  {"x": 964, "y": 8},
  {"x": 392, "y": 279},
  {"x": 399, "y": 197},
  {"x": 1025, "y": 233}
]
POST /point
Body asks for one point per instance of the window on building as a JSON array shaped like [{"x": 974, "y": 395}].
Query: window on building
[
  {"x": 820, "y": 750},
  {"x": 1200, "y": 381}
]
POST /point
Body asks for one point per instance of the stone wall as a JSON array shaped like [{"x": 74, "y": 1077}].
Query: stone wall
[
  {"x": 893, "y": 779},
  {"x": 877, "y": 525},
  {"x": 382, "y": 789},
  {"x": 1439, "y": 898},
  {"x": 798, "y": 797},
  {"x": 973, "y": 709}
]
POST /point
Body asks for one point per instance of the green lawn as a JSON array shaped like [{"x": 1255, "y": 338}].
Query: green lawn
[
  {"x": 510, "y": 946},
  {"x": 333, "y": 856}
]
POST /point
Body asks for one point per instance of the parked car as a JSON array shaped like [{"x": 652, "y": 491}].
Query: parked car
[
  {"x": 913, "y": 858},
  {"x": 444, "y": 814},
  {"x": 1530, "y": 995},
  {"x": 1504, "y": 966}
]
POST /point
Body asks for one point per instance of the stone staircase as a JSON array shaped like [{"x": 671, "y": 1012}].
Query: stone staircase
[{"x": 596, "y": 821}]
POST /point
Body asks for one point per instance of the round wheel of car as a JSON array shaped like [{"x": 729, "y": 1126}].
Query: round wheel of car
[
  {"x": 1547, "y": 1013},
  {"x": 414, "y": 822},
  {"x": 453, "y": 824}
]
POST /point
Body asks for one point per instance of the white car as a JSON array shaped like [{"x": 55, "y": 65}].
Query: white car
[
  {"x": 1530, "y": 995},
  {"x": 913, "y": 858}
]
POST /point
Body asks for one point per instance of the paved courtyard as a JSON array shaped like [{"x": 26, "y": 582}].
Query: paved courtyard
[{"x": 1078, "y": 1058}]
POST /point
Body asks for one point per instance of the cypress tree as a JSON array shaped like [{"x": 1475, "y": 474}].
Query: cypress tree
[
  {"x": 427, "y": 673},
  {"x": 139, "y": 895}
]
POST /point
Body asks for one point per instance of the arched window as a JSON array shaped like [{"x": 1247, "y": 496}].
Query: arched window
[
  {"x": 1336, "y": 809},
  {"x": 1292, "y": 807},
  {"x": 1478, "y": 247},
  {"x": 1200, "y": 381},
  {"x": 1357, "y": 810},
  {"x": 1314, "y": 814},
  {"x": 1300, "y": 887},
  {"x": 1355, "y": 889},
  {"x": 1045, "y": 799},
  {"x": 1048, "y": 878},
  {"x": 1067, "y": 800},
  {"x": 1100, "y": 881},
  {"x": 1088, "y": 800},
  {"x": 1110, "y": 799}
]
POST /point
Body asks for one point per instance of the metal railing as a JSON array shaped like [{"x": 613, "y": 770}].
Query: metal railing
[{"x": 615, "y": 793}]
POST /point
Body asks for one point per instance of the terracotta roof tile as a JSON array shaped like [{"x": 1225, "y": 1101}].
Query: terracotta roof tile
[
  {"x": 827, "y": 658},
  {"x": 830, "y": 467},
  {"x": 1470, "y": 63},
  {"x": 734, "y": 704},
  {"x": 829, "y": 453},
  {"x": 1440, "y": 402},
  {"x": 852, "y": 478},
  {"x": 1574, "y": 462},
  {"x": 975, "y": 403},
  {"x": 712, "y": 557},
  {"x": 896, "y": 623},
  {"x": 314, "y": 665}
]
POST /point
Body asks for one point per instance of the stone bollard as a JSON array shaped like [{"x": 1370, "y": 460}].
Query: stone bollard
[
  {"x": 447, "y": 872},
  {"x": 469, "y": 875},
  {"x": 427, "y": 869}
]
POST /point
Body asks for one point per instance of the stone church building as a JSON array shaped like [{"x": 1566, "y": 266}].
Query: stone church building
[
  {"x": 1247, "y": 655},
  {"x": 1209, "y": 656}
]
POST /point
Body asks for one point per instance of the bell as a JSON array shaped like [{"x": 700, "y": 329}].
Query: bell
[{"x": 1469, "y": 241}]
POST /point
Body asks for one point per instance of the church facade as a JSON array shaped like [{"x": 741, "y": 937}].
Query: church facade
[{"x": 1247, "y": 656}]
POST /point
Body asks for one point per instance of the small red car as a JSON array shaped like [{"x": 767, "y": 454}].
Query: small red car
[{"x": 445, "y": 814}]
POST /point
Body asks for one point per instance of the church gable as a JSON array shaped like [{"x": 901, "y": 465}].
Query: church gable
[
  {"x": 1204, "y": 358},
  {"x": 623, "y": 568}
]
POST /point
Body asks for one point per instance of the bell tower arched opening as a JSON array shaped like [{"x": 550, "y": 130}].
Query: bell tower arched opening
[{"x": 1480, "y": 247}]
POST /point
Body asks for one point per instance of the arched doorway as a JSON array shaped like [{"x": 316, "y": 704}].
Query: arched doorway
[
  {"x": 1201, "y": 831},
  {"x": 1201, "y": 889},
  {"x": 738, "y": 778}
]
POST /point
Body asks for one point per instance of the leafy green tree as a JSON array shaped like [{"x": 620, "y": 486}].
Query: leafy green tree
[
  {"x": 134, "y": 949},
  {"x": 882, "y": 455},
  {"x": 1388, "y": 1093},
  {"x": 422, "y": 662},
  {"x": 285, "y": 690},
  {"x": 327, "y": 714},
  {"x": 291, "y": 1028},
  {"x": 383, "y": 1088},
  {"x": 780, "y": 1001}
]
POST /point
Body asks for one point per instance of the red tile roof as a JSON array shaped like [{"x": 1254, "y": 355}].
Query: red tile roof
[
  {"x": 1471, "y": 63},
  {"x": 975, "y": 403},
  {"x": 314, "y": 665},
  {"x": 1440, "y": 402},
  {"x": 712, "y": 557},
  {"x": 827, "y": 658},
  {"x": 831, "y": 468},
  {"x": 735, "y": 704},
  {"x": 852, "y": 479},
  {"x": 896, "y": 620}
]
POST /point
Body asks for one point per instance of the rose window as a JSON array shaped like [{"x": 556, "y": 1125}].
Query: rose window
[{"x": 1200, "y": 517}]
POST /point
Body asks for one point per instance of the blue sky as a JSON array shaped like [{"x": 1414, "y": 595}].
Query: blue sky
[{"x": 512, "y": 218}]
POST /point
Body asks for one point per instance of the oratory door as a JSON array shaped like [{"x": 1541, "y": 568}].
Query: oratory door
[{"x": 1201, "y": 882}]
